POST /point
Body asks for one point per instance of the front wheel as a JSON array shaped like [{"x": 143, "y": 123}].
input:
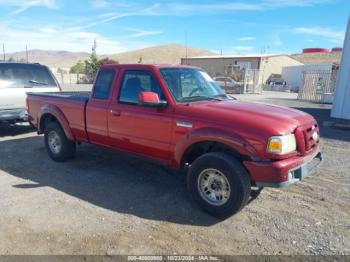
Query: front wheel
[
  {"x": 57, "y": 145},
  {"x": 219, "y": 184}
]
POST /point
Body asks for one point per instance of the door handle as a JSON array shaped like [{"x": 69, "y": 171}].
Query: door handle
[{"x": 115, "y": 112}]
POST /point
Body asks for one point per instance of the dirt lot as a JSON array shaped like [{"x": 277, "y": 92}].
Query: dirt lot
[{"x": 105, "y": 202}]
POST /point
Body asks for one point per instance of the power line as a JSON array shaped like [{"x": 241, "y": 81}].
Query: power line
[
  {"x": 186, "y": 44},
  {"x": 3, "y": 51},
  {"x": 27, "y": 54}
]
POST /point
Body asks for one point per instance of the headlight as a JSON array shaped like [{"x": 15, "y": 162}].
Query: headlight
[{"x": 282, "y": 144}]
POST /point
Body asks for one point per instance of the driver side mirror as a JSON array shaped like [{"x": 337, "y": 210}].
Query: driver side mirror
[{"x": 151, "y": 99}]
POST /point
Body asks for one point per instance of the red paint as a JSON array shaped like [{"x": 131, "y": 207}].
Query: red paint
[
  {"x": 274, "y": 172},
  {"x": 153, "y": 132},
  {"x": 148, "y": 97},
  {"x": 315, "y": 50}
]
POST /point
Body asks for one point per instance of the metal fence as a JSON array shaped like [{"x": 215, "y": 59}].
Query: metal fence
[
  {"x": 253, "y": 81},
  {"x": 316, "y": 84},
  {"x": 66, "y": 78}
]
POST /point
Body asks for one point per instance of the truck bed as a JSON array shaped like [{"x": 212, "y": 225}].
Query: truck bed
[
  {"x": 80, "y": 96},
  {"x": 70, "y": 104}
]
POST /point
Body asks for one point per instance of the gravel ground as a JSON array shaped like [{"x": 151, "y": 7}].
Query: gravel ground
[{"x": 105, "y": 202}]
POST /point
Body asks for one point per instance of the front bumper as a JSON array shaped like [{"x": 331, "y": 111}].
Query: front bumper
[
  {"x": 13, "y": 114},
  {"x": 284, "y": 172}
]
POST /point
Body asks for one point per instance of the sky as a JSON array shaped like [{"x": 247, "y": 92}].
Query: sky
[{"x": 230, "y": 27}]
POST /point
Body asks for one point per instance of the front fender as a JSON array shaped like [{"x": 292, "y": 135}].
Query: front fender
[
  {"x": 59, "y": 115},
  {"x": 230, "y": 139}
]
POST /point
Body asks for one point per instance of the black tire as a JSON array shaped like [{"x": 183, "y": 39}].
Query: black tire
[
  {"x": 237, "y": 177},
  {"x": 67, "y": 148}
]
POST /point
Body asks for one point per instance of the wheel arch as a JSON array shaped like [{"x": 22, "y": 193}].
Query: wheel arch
[
  {"x": 200, "y": 148},
  {"x": 211, "y": 140},
  {"x": 51, "y": 113}
]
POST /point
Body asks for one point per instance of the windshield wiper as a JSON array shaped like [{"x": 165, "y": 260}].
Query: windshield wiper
[
  {"x": 221, "y": 96},
  {"x": 37, "y": 83},
  {"x": 226, "y": 96},
  {"x": 204, "y": 97}
]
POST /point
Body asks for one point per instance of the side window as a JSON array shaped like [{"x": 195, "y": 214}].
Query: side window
[
  {"x": 103, "y": 84},
  {"x": 135, "y": 82}
]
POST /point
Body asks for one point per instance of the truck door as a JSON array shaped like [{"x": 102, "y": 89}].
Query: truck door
[
  {"x": 97, "y": 107},
  {"x": 140, "y": 129}
]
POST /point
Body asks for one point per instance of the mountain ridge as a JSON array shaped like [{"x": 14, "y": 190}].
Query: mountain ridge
[
  {"x": 165, "y": 54},
  {"x": 161, "y": 54}
]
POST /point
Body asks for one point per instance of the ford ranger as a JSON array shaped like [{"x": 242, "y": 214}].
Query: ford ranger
[{"x": 179, "y": 117}]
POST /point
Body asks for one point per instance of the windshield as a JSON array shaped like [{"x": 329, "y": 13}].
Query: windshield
[
  {"x": 25, "y": 75},
  {"x": 189, "y": 84}
]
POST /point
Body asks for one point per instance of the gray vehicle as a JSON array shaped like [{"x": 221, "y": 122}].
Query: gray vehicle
[
  {"x": 16, "y": 79},
  {"x": 229, "y": 84},
  {"x": 277, "y": 81}
]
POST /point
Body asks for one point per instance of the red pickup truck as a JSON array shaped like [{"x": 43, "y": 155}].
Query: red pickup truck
[{"x": 178, "y": 116}]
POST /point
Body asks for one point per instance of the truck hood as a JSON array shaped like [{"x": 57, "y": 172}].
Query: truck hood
[{"x": 273, "y": 119}]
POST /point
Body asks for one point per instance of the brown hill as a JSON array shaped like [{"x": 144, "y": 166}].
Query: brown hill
[
  {"x": 164, "y": 54},
  {"x": 63, "y": 59},
  {"x": 318, "y": 58}
]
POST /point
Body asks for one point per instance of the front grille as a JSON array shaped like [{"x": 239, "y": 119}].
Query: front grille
[{"x": 308, "y": 137}]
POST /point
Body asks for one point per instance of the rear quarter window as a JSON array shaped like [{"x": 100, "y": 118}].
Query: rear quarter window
[{"x": 103, "y": 84}]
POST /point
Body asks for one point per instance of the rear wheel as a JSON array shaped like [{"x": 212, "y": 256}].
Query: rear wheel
[
  {"x": 219, "y": 184},
  {"x": 57, "y": 145}
]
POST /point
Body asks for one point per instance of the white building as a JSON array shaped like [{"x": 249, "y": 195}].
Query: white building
[
  {"x": 341, "y": 104},
  {"x": 269, "y": 64},
  {"x": 293, "y": 75}
]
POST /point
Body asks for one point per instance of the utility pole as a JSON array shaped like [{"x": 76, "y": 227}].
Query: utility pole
[
  {"x": 27, "y": 53},
  {"x": 3, "y": 51},
  {"x": 94, "y": 47},
  {"x": 186, "y": 45}
]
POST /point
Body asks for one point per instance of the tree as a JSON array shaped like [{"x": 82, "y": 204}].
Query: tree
[
  {"x": 78, "y": 68},
  {"x": 91, "y": 67},
  {"x": 140, "y": 60},
  {"x": 11, "y": 59},
  {"x": 107, "y": 61}
]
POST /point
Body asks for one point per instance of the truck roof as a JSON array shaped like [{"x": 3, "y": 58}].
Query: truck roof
[{"x": 18, "y": 63}]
